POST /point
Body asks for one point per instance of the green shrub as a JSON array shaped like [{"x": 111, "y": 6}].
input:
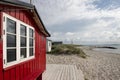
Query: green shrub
[{"x": 67, "y": 49}]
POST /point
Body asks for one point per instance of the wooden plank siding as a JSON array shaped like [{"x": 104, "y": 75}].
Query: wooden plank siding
[
  {"x": 1, "y": 52},
  {"x": 23, "y": 71}
]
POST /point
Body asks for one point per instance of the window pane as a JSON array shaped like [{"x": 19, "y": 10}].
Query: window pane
[
  {"x": 23, "y": 30},
  {"x": 23, "y": 53},
  {"x": 31, "y": 52},
  {"x": 11, "y": 26},
  {"x": 23, "y": 41},
  {"x": 11, "y": 40},
  {"x": 30, "y": 32},
  {"x": 30, "y": 42},
  {"x": 11, "y": 55}
]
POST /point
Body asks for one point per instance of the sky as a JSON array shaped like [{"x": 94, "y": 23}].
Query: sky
[{"x": 81, "y": 21}]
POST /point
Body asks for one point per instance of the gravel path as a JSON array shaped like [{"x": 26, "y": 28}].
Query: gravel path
[{"x": 98, "y": 66}]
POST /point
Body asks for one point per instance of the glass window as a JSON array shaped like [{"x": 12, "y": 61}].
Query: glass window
[
  {"x": 23, "y": 53},
  {"x": 18, "y": 41},
  {"x": 11, "y": 40},
  {"x": 30, "y": 32},
  {"x": 31, "y": 42},
  {"x": 23, "y": 41},
  {"x": 23, "y": 30},
  {"x": 31, "y": 52},
  {"x": 11, "y": 26},
  {"x": 11, "y": 55}
]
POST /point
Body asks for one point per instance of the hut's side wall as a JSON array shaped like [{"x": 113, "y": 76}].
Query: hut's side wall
[{"x": 30, "y": 69}]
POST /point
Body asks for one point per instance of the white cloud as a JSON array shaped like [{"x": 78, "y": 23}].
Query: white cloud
[
  {"x": 105, "y": 28},
  {"x": 69, "y": 34}
]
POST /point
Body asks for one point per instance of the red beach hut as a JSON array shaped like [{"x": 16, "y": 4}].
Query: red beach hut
[{"x": 22, "y": 41}]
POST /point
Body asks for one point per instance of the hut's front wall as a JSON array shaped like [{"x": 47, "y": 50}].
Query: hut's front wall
[
  {"x": 1, "y": 56},
  {"x": 29, "y": 69}
]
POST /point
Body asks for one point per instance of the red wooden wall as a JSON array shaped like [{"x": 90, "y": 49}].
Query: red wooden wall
[
  {"x": 32, "y": 68},
  {"x": 1, "y": 60}
]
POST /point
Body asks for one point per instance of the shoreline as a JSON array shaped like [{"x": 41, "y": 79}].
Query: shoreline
[
  {"x": 106, "y": 50},
  {"x": 97, "y": 66}
]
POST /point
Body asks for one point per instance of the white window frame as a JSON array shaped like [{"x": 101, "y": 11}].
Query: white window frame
[{"x": 18, "y": 58}]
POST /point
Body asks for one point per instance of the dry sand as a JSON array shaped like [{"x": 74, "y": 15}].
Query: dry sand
[{"x": 98, "y": 66}]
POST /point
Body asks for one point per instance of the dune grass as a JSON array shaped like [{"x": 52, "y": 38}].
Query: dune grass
[{"x": 67, "y": 49}]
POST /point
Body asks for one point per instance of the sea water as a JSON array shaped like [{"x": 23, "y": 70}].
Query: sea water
[{"x": 109, "y": 50}]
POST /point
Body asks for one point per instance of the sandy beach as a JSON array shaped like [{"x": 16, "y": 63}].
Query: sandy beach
[{"x": 97, "y": 66}]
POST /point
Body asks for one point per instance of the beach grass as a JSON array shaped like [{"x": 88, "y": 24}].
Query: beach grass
[{"x": 67, "y": 49}]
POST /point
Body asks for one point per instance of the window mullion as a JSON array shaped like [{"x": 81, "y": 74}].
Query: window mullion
[
  {"x": 18, "y": 40},
  {"x": 27, "y": 42}
]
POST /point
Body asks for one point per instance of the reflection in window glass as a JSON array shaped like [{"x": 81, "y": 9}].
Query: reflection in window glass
[
  {"x": 23, "y": 41},
  {"x": 11, "y": 40},
  {"x": 11, "y": 26},
  {"x": 23, "y": 30},
  {"x": 30, "y": 42},
  {"x": 23, "y": 53},
  {"x": 30, "y": 32},
  {"x": 31, "y": 52},
  {"x": 11, "y": 55}
]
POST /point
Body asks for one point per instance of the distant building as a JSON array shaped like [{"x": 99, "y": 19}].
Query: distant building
[
  {"x": 57, "y": 42},
  {"x": 48, "y": 45}
]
